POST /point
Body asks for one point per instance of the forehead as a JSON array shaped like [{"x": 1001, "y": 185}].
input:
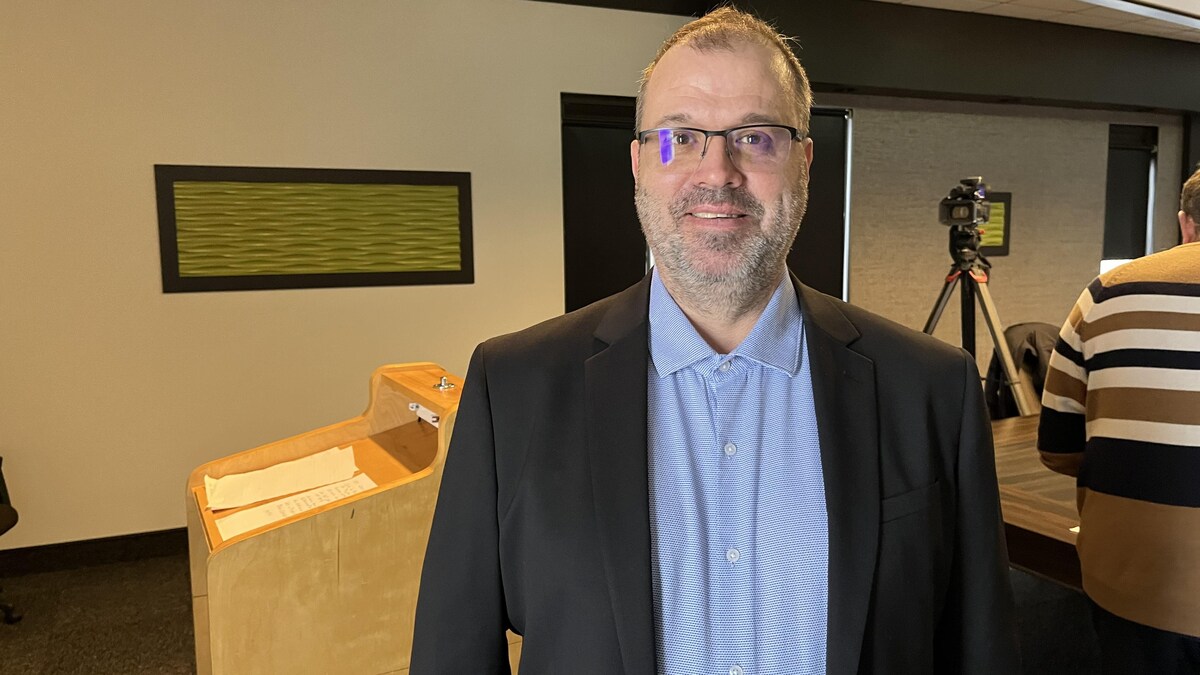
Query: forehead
[{"x": 723, "y": 86}]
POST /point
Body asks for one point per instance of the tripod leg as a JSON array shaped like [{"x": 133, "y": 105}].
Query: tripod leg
[
  {"x": 940, "y": 305},
  {"x": 967, "y": 314},
  {"x": 1024, "y": 406}
]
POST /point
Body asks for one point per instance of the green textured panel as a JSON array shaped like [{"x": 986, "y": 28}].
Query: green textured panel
[
  {"x": 993, "y": 230},
  {"x": 231, "y": 228}
]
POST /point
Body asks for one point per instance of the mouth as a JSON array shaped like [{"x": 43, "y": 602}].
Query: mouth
[
  {"x": 724, "y": 209},
  {"x": 716, "y": 214}
]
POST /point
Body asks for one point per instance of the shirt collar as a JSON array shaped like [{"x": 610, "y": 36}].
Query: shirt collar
[{"x": 775, "y": 341}]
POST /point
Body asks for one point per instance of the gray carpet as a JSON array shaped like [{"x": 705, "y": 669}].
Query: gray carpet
[
  {"x": 135, "y": 617},
  {"x": 128, "y": 617},
  {"x": 1056, "y": 628}
]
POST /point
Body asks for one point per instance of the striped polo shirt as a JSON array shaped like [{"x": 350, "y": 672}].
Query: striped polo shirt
[
  {"x": 739, "y": 532},
  {"x": 1121, "y": 411}
]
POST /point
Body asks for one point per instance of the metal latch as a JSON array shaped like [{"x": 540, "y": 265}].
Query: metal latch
[{"x": 425, "y": 413}]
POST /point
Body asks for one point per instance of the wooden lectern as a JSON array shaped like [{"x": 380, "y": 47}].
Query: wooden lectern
[{"x": 333, "y": 589}]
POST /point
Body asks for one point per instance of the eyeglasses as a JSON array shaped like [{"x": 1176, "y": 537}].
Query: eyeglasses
[{"x": 757, "y": 147}]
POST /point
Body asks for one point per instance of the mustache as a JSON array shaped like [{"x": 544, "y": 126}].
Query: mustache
[{"x": 738, "y": 198}]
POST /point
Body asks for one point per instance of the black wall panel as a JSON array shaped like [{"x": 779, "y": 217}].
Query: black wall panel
[{"x": 886, "y": 48}]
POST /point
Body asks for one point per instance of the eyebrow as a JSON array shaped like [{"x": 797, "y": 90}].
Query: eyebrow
[
  {"x": 759, "y": 118},
  {"x": 676, "y": 118},
  {"x": 684, "y": 118}
]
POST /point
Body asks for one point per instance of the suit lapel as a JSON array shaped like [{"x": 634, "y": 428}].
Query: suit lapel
[
  {"x": 844, "y": 393},
  {"x": 615, "y": 383}
]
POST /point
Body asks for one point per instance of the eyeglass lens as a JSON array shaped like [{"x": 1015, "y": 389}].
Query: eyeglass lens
[{"x": 750, "y": 148}]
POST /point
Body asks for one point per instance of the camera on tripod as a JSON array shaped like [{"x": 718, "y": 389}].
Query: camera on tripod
[
  {"x": 963, "y": 210},
  {"x": 967, "y": 204}
]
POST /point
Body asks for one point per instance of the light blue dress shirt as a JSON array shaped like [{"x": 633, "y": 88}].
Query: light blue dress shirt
[{"x": 739, "y": 532}]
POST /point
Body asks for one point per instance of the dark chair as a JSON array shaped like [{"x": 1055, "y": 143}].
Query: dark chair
[
  {"x": 8, "y": 518},
  {"x": 1031, "y": 344}
]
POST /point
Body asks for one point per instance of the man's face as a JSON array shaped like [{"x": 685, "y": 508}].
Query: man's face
[{"x": 724, "y": 223}]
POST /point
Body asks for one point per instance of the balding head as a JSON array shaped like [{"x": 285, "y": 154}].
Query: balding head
[{"x": 725, "y": 29}]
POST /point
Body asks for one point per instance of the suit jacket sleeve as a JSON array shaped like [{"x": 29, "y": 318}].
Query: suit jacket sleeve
[
  {"x": 461, "y": 618},
  {"x": 978, "y": 619}
]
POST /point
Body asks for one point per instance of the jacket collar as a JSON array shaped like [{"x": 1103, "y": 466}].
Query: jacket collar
[
  {"x": 845, "y": 397},
  {"x": 615, "y": 387}
]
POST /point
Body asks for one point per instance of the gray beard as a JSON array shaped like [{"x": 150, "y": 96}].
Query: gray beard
[{"x": 760, "y": 255}]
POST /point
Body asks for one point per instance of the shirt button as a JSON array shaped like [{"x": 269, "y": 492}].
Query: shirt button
[
  {"x": 724, "y": 367},
  {"x": 732, "y": 555},
  {"x": 736, "y": 670},
  {"x": 730, "y": 449}
]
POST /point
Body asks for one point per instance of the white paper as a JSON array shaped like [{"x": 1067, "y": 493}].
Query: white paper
[
  {"x": 243, "y": 521},
  {"x": 285, "y": 478},
  {"x": 1075, "y": 529}
]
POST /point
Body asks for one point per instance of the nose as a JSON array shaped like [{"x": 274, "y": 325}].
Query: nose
[{"x": 716, "y": 168}]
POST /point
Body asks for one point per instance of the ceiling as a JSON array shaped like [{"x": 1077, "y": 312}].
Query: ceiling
[{"x": 1172, "y": 19}]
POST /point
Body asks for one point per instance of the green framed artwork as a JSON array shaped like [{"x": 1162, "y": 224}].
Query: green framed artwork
[
  {"x": 997, "y": 231},
  {"x": 224, "y": 228}
]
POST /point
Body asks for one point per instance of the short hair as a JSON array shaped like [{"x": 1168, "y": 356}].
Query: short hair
[
  {"x": 723, "y": 29},
  {"x": 1189, "y": 198}
]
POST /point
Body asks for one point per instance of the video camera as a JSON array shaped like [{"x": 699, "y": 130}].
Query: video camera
[{"x": 967, "y": 205}]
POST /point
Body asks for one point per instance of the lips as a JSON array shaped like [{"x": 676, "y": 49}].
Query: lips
[
  {"x": 724, "y": 206},
  {"x": 709, "y": 215}
]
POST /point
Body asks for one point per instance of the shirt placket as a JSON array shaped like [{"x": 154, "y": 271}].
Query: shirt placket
[{"x": 730, "y": 551}]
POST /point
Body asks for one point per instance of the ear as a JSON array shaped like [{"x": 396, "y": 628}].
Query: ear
[
  {"x": 1188, "y": 228},
  {"x": 634, "y": 153},
  {"x": 808, "y": 151}
]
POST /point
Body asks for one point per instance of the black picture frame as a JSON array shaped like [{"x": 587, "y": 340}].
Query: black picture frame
[{"x": 167, "y": 175}]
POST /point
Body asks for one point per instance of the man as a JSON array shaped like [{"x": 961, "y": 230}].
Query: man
[
  {"x": 1121, "y": 411},
  {"x": 719, "y": 469}
]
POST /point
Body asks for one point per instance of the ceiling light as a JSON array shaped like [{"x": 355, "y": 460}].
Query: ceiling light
[{"x": 1162, "y": 10}]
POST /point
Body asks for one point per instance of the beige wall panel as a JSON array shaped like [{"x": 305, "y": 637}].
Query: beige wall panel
[
  {"x": 1167, "y": 187},
  {"x": 112, "y": 391}
]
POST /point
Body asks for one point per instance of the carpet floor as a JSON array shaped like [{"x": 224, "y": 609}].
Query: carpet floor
[
  {"x": 135, "y": 617},
  {"x": 119, "y": 618}
]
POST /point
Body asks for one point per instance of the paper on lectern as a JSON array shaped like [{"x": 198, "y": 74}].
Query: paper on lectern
[
  {"x": 239, "y": 489},
  {"x": 264, "y": 514}
]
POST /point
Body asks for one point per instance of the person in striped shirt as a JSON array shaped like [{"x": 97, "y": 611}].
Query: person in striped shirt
[{"x": 1121, "y": 412}]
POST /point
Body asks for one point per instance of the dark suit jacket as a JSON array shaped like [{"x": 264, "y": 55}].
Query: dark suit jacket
[{"x": 542, "y": 524}]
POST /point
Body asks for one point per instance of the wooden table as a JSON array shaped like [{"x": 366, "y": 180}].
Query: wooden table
[{"x": 1038, "y": 504}]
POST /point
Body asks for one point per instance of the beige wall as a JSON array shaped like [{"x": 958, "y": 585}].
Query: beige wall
[
  {"x": 908, "y": 153},
  {"x": 111, "y": 391}
]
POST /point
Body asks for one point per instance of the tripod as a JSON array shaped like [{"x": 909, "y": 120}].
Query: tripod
[{"x": 970, "y": 267}]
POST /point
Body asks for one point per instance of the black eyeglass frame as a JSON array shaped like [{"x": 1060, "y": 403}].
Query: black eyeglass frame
[{"x": 643, "y": 136}]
